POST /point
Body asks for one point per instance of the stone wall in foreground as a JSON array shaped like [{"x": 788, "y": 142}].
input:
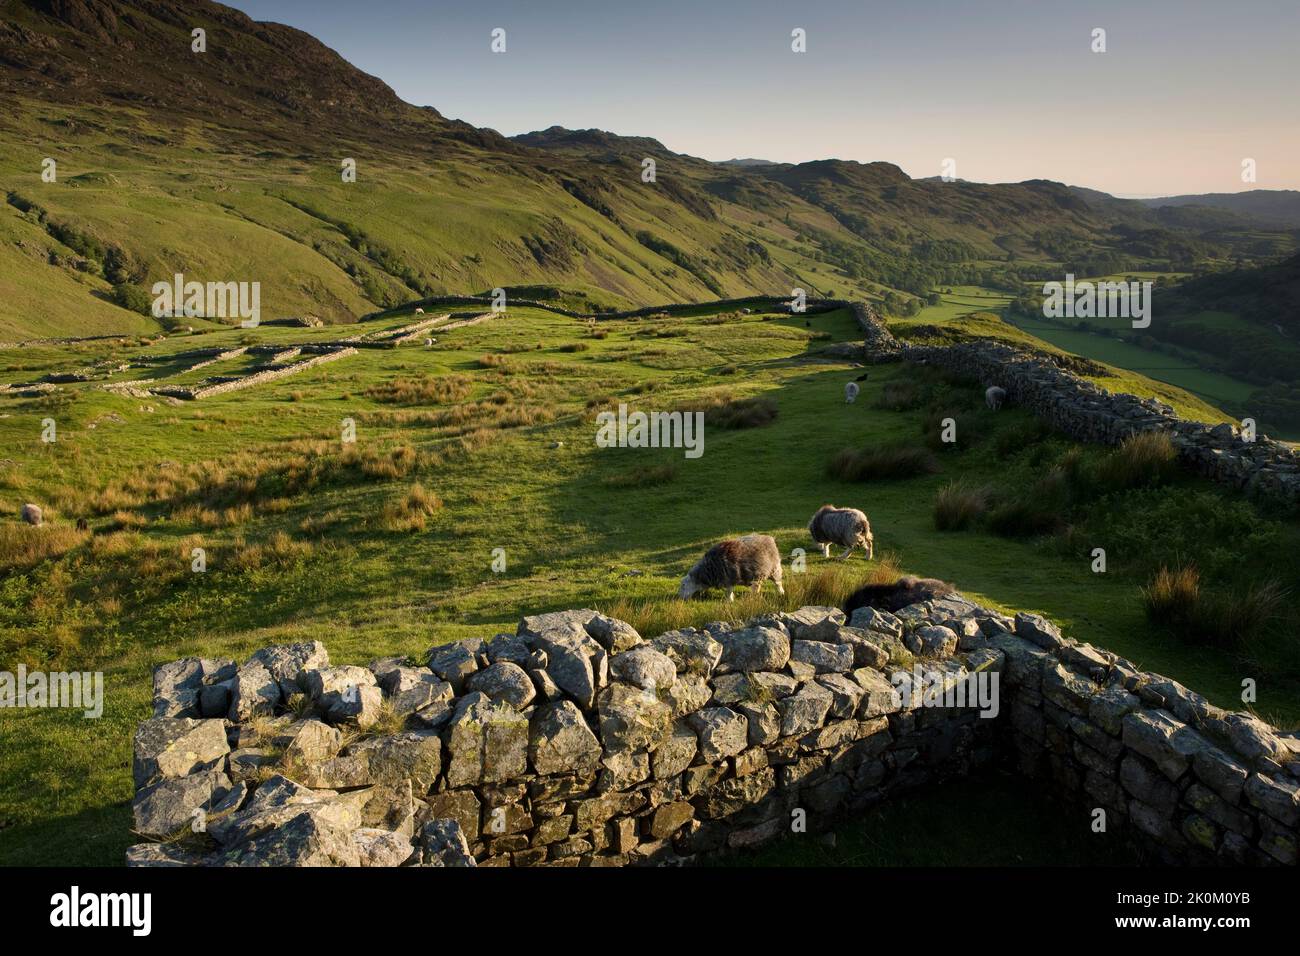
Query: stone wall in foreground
[{"x": 575, "y": 742}]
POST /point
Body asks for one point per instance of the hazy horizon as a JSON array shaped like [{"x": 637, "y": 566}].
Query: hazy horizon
[{"x": 1185, "y": 92}]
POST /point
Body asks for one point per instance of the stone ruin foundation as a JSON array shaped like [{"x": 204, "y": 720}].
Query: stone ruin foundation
[{"x": 576, "y": 742}]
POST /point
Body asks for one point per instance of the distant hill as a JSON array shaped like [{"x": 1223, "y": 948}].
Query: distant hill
[
  {"x": 229, "y": 169},
  {"x": 1277, "y": 207},
  {"x": 747, "y": 162}
]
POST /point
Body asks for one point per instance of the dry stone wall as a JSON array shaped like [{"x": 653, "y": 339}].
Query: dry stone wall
[
  {"x": 1087, "y": 412},
  {"x": 576, "y": 742}
]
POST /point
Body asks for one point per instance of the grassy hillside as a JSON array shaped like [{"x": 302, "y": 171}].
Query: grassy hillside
[{"x": 485, "y": 441}]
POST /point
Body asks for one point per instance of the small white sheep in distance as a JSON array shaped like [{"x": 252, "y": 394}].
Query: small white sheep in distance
[
  {"x": 744, "y": 562},
  {"x": 850, "y": 392},
  {"x": 844, "y": 526},
  {"x": 995, "y": 396}
]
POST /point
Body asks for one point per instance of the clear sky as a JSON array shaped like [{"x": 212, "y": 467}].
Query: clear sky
[{"x": 1009, "y": 89}]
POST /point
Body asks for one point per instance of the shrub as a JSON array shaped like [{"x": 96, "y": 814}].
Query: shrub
[
  {"x": 411, "y": 511},
  {"x": 900, "y": 397},
  {"x": 1040, "y": 510},
  {"x": 1147, "y": 458},
  {"x": 957, "y": 507},
  {"x": 1020, "y": 436},
  {"x": 643, "y": 477},
  {"x": 574, "y": 347},
  {"x": 723, "y": 411},
  {"x": 882, "y": 464},
  {"x": 429, "y": 390},
  {"x": 1223, "y": 617}
]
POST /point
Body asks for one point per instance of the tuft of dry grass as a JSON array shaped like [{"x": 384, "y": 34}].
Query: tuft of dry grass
[
  {"x": 428, "y": 390},
  {"x": 722, "y": 410},
  {"x": 642, "y": 477},
  {"x": 1226, "y": 618},
  {"x": 886, "y": 463},
  {"x": 1148, "y": 458},
  {"x": 411, "y": 511},
  {"x": 957, "y": 507},
  {"x": 24, "y": 546}
]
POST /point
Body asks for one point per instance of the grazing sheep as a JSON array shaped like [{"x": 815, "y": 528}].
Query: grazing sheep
[
  {"x": 419, "y": 311},
  {"x": 32, "y": 514},
  {"x": 995, "y": 396},
  {"x": 750, "y": 560},
  {"x": 850, "y": 393},
  {"x": 845, "y": 526},
  {"x": 894, "y": 597}
]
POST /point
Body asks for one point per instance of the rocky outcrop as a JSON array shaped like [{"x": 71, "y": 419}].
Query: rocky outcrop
[{"x": 574, "y": 741}]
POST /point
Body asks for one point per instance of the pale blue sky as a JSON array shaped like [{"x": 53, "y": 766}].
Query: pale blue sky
[{"x": 1010, "y": 89}]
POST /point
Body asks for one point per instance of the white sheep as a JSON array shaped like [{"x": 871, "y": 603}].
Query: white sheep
[
  {"x": 844, "y": 526},
  {"x": 995, "y": 396},
  {"x": 419, "y": 311},
  {"x": 850, "y": 392},
  {"x": 747, "y": 561}
]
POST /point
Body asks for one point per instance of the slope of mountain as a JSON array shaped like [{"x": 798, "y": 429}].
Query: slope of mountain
[
  {"x": 1276, "y": 207},
  {"x": 229, "y": 166}
]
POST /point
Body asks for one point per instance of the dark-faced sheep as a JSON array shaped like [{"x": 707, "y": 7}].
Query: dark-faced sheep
[
  {"x": 850, "y": 392},
  {"x": 995, "y": 396},
  {"x": 894, "y": 597},
  {"x": 847, "y": 527},
  {"x": 743, "y": 562}
]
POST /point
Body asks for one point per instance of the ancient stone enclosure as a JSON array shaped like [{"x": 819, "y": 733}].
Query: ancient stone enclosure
[{"x": 576, "y": 742}]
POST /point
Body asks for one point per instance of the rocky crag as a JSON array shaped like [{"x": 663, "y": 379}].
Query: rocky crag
[{"x": 576, "y": 742}]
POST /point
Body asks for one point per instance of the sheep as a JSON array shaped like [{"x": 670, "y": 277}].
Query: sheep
[
  {"x": 995, "y": 396},
  {"x": 846, "y": 526},
  {"x": 894, "y": 597},
  {"x": 850, "y": 393},
  {"x": 419, "y": 311},
  {"x": 747, "y": 561}
]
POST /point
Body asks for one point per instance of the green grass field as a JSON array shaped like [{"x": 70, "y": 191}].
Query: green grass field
[{"x": 307, "y": 538}]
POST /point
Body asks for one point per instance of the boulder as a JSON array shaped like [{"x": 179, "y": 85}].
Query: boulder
[
  {"x": 644, "y": 667},
  {"x": 824, "y": 658},
  {"x": 693, "y": 652},
  {"x": 443, "y": 843},
  {"x": 167, "y": 747},
  {"x": 805, "y": 710},
  {"x": 254, "y": 690},
  {"x": 286, "y": 662},
  {"x": 453, "y": 663},
  {"x": 722, "y": 732},
  {"x": 631, "y": 719},
  {"x": 575, "y": 662},
  {"x": 381, "y": 847},
  {"x": 612, "y": 634},
  {"x": 487, "y": 742},
  {"x": 504, "y": 682},
  {"x": 561, "y": 742},
  {"x": 178, "y": 803},
  {"x": 755, "y": 648}
]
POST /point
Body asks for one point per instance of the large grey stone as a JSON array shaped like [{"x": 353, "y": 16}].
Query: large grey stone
[
  {"x": 504, "y": 682},
  {"x": 561, "y": 742},
  {"x": 177, "y": 747},
  {"x": 722, "y": 732},
  {"x": 754, "y": 648}
]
